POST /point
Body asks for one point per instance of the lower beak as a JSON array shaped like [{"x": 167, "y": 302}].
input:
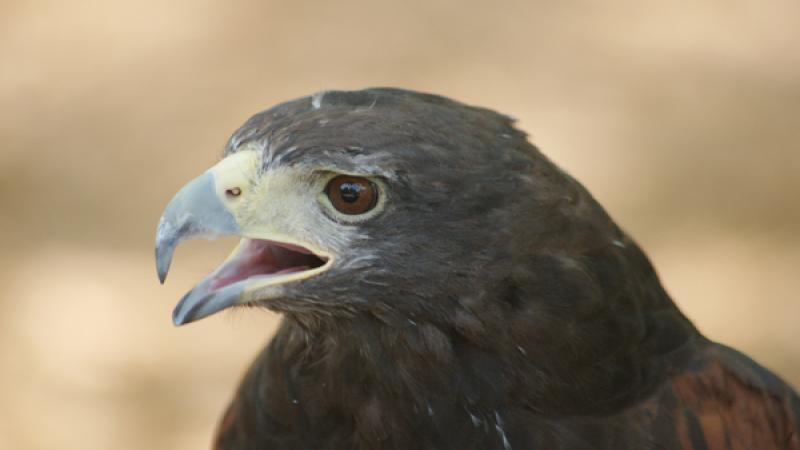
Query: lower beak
[{"x": 204, "y": 299}]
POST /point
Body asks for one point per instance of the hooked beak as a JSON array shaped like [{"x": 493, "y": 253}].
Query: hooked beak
[
  {"x": 195, "y": 212},
  {"x": 258, "y": 267}
]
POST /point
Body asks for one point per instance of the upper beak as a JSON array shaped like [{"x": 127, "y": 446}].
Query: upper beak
[{"x": 196, "y": 211}]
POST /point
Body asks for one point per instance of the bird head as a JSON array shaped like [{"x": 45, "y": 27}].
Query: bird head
[{"x": 383, "y": 203}]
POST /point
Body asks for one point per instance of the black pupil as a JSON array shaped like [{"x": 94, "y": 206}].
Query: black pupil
[{"x": 350, "y": 191}]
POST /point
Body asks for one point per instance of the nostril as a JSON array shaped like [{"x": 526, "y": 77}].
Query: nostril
[{"x": 233, "y": 192}]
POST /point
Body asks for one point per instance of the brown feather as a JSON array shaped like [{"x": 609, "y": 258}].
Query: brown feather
[{"x": 737, "y": 404}]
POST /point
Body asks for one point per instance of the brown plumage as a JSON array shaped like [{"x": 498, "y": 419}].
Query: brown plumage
[
  {"x": 729, "y": 402},
  {"x": 718, "y": 400},
  {"x": 488, "y": 301}
]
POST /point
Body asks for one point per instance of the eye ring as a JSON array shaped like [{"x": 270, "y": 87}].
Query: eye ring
[
  {"x": 233, "y": 192},
  {"x": 352, "y": 195}
]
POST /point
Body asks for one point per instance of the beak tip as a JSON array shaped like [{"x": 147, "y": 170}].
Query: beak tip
[
  {"x": 187, "y": 309},
  {"x": 177, "y": 321},
  {"x": 163, "y": 260},
  {"x": 180, "y": 316}
]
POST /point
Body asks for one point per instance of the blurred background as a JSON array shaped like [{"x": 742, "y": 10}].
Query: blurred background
[{"x": 683, "y": 118}]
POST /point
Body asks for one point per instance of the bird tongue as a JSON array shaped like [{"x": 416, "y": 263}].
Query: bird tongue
[{"x": 263, "y": 258}]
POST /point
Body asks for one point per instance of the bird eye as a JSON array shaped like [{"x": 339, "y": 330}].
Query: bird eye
[{"x": 352, "y": 195}]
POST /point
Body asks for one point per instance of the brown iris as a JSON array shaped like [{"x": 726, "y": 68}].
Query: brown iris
[{"x": 352, "y": 195}]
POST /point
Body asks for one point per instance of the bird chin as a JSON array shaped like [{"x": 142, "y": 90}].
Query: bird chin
[{"x": 255, "y": 265}]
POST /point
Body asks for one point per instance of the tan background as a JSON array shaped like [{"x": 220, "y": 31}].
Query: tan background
[{"x": 683, "y": 118}]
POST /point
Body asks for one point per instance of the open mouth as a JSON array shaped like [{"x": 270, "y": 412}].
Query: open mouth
[
  {"x": 266, "y": 264},
  {"x": 255, "y": 264},
  {"x": 258, "y": 259}
]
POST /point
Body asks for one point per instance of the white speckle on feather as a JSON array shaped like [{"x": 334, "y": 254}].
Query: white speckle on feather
[
  {"x": 235, "y": 141},
  {"x": 498, "y": 425},
  {"x": 316, "y": 99},
  {"x": 295, "y": 401},
  {"x": 277, "y": 160},
  {"x": 522, "y": 350},
  {"x": 476, "y": 422},
  {"x": 430, "y": 410},
  {"x": 527, "y": 179},
  {"x": 362, "y": 109},
  {"x": 375, "y": 282},
  {"x": 618, "y": 243},
  {"x": 360, "y": 261}
]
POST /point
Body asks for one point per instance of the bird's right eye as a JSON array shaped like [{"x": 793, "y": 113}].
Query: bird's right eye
[{"x": 352, "y": 195}]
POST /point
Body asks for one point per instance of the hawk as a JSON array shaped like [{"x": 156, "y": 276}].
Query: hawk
[{"x": 443, "y": 285}]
